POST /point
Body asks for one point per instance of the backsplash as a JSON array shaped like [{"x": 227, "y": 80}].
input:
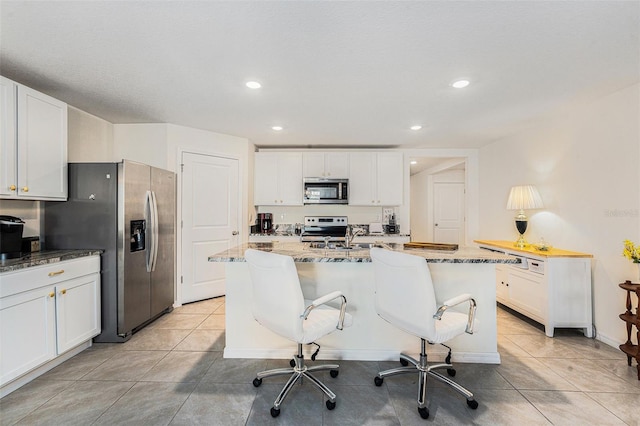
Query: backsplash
[{"x": 29, "y": 211}]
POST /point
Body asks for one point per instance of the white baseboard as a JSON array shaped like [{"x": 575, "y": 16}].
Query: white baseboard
[{"x": 608, "y": 341}]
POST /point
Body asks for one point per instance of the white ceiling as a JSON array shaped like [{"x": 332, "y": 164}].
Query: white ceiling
[{"x": 333, "y": 73}]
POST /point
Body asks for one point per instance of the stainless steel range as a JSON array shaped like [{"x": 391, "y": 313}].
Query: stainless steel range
[{"x": 323, "y": 228}]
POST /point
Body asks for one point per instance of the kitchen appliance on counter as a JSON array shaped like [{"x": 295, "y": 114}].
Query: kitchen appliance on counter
[
  {"x": 325, "y": 191},
  {"x": 393, "y": 227},
  {"x": 265, "y": 223},
  {"x": 128, "y": 210},
  {"x": 11, "y": 228},
  {"x": 323, "y": 228}
]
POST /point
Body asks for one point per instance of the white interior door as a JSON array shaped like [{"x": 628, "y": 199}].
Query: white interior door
[
  {"x": 448, "y": 213},
  {"x": 210, "y": 219}
]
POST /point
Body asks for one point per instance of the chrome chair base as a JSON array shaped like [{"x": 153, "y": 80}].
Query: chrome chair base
[
  {"x": 425, "y": 371},
  {"x": 298, "y": 372}
]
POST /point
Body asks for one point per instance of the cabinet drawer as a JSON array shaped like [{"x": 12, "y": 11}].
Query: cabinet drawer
[{"x": 38, "y": 276}]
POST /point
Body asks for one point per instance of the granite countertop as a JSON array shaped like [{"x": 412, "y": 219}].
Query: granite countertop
[
  {"x": 302, "y": 252},
  {"x": 44, "y": 257}
]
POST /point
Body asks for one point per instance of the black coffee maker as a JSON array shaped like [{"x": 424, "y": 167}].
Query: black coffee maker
[
  {"x": 265, "y": 223},
  {"x": 10, "y": 237}
]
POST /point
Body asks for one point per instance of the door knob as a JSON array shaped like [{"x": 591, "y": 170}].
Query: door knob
[
  {"x": 25, "y": 189},
  {"x": 234, "y": 233},
  {"x": 12, "y": 188}
]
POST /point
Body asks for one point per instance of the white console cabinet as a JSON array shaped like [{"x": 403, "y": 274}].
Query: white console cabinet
[
  {"x": 45, "y": 311},
  {"x": 33, "y": 144},
  {"x": 551, "y": 287}
]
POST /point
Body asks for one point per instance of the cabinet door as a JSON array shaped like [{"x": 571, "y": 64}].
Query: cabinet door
[
  {"x": 313, "y": 164},
  {"x": 290, "y": 185},
  {"x": 77, "y": 311},
  {"x": 502, "y": 293},
  {"x": 390, "y": 172},
  {"x": 8, "y": 138},
  {"x": 336, "y": 165},
  {"x": 28, "y": 330},
  {"x": 527, "y": 292},
  {"x": 42, "y": 146},
  {"x": 362, "y": 178},
  {"x": 265, "y": 188}
]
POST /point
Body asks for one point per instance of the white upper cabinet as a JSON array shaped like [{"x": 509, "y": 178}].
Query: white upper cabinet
[
  {"x": 278, "y": 179},
  {"x": 331, "y": 165},
  {"x": 33, "y": 147},
  {"x": 376, "y": 178}
]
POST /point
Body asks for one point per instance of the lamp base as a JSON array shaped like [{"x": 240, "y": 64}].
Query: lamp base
[{"x": 521, "y": 242}]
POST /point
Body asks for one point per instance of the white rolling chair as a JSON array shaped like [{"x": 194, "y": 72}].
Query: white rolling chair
[
  {"x": 278, "y": 304},
  {"x": 404, "y": 296}
]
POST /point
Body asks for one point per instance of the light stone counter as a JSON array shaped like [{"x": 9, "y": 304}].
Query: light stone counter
[
  {"x": 303, "y": 252},
  {"x": 468, "y": 270}
]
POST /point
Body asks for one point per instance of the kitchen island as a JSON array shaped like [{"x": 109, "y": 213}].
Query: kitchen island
[{"x": 466, "y": 270}]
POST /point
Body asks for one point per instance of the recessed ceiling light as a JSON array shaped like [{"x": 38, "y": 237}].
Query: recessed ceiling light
[
  {"x": 460, "y": 84},
  {"x": 413, "y": 162},
  {"x": 253, "y": 85},
  {"x": 277, "y": 128},
  {"x": 416, "y": 127}
]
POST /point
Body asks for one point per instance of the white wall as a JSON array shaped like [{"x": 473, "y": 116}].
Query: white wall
[
  {"x": 145, "y": 143},
  {"x": 90, "y": 138},
  {"x": 586, "y": 165}
]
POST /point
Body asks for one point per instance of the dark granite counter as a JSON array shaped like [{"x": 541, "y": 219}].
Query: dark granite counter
[
  {"x": 303, "y": 252},
  {"x": 44, "y": 257}
]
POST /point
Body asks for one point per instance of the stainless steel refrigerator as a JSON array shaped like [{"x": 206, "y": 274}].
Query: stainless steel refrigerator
[{"x": 128, "y": 210}]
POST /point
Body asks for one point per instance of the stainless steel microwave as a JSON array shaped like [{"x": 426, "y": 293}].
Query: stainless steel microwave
[{"x": 326, "y": 191}]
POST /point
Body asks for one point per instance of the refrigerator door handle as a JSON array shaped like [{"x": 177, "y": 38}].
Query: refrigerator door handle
[
  {"x": 155, "y": 229},
  {"x": 148, "y": 230}
]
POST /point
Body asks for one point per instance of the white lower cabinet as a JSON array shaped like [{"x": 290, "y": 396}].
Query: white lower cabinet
[
  {"x": 552, "y": 289},
  {"x": 45, "y": 311}
]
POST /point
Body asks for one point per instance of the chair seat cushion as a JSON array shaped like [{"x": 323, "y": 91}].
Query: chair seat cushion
[
  {"x": 451, "y": 325},
  {"x": 322, "y": 321}
]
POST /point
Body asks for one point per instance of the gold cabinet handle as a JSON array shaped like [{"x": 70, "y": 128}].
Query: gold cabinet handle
[
  {"x": 64, "y": 291},
  {"x": 52, "y": 294},
  {"x": 53, "y": 274},
  {"x": 12, "y": 188},
  {"x": 25, "y": 189}
]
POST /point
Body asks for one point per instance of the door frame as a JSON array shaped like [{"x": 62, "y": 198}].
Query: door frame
[{"x": 242, "y": 210}]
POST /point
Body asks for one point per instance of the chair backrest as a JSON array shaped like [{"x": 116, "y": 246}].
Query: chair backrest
[
  {"x": 404, "y": 294},
  {"x": 277, "y": 297}
]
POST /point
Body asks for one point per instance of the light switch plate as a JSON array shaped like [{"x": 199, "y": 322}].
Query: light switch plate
[{"x": 386, "y": 215}]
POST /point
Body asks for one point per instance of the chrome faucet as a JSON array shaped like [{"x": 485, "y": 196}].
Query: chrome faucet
[{"x": 350, "y": 235}]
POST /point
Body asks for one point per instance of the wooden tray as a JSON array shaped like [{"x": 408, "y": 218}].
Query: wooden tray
[{"x": 432, "y": 246}]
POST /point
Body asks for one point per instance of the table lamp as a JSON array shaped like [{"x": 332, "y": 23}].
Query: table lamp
[{"x": 521, "y": 198}]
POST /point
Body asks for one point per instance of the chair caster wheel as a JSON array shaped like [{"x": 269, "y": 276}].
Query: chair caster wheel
[
  {"x": 472, "y": 403},
  {"x": 257, "y": 382},
  {"x": 378, "y": 380},
  {"x": 404, "y": 362},
  {"x": 424, "y": 412},
  {"x": 451, "y": 372},
  {"x": 275, "y": 412},
  {"x": 292, "y": 363},
  {"x": 334, "y": 373},
  {"x": 331, "y": 405}
]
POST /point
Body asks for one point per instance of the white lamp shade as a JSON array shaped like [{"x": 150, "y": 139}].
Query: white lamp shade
[{"x": 524, "y": 197}]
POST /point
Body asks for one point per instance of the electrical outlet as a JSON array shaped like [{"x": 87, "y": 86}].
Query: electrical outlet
[{"x": 386, "y": 215}]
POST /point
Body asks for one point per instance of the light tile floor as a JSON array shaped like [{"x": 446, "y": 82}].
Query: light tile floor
[{"x": 173, "y": 372}]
